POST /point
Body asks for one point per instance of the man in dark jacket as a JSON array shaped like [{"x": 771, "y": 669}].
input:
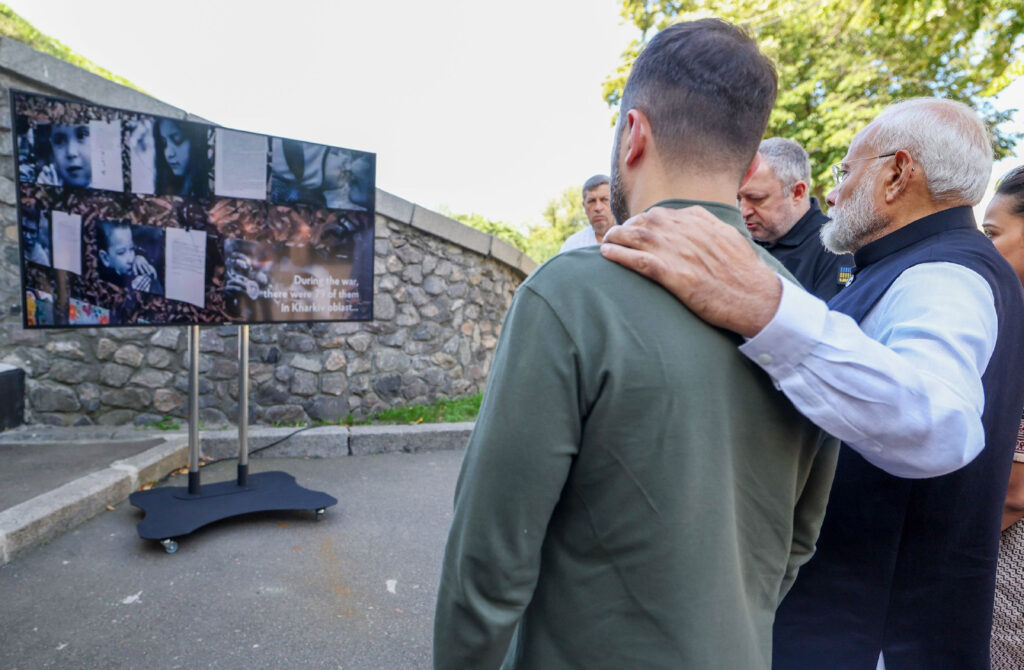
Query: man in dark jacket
[{"x": 785, "y": 219}]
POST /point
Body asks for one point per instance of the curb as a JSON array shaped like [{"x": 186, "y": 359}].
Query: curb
[
  {"x": 50, "y": 514},
  {"x": 46, "y": 516}
]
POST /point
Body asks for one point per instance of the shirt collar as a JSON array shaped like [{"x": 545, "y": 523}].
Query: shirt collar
[
  {"x": 726, "y": 213},
  {"x": 915, "y": 231}
]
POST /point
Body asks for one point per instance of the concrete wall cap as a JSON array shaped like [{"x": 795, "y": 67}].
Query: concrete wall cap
[
  {"x": 394, "y": 208},
  {"x": 56, "y": 75}
]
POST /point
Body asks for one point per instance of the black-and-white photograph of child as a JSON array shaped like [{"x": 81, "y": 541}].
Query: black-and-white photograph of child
[
  {"x": 169, "y": 157},
  {"x": 248, "y": 266},
  {"x": 349, "y": 179},
  {"x": 182, "y": 158},
  {"x": 320, "y": 176},
  {"x": 35, "y": 236},
  {"x": 64, "y": 153},
  {"x": 131, "y": 257}
]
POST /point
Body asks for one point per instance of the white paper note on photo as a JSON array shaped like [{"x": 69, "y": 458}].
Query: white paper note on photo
[
  {"x": 67, "y": 241},
  {"x": 105, "y": 141},
  {"x": 240, "y": 165},
  {"x": 185, "y": 270}
]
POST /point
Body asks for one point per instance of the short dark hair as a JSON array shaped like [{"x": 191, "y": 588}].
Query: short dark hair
[
  {"x": 708, "y": 92},
  {"x": 594, "y": 182},
  {"x": 1012, "y": 185},
  {"x": 106, "y": 232}
]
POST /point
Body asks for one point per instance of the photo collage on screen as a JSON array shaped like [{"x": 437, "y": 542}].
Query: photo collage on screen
[{"x": 133, "y": 219}]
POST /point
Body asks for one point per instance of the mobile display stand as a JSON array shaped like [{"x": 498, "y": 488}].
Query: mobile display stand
[{"x": 175, "y": 511}]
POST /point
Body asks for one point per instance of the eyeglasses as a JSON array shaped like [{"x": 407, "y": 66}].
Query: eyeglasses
[{"x": 839, "y": 173}]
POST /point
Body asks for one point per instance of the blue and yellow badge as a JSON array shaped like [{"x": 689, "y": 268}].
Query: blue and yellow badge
[{"x": 845, "y": 275}]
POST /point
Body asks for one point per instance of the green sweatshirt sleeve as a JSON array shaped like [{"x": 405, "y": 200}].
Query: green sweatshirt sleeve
[
  {"x": 516, "y": 464},
  {"x": 810, "y": 510}
]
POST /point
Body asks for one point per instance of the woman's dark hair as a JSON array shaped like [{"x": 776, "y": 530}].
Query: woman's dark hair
[
  {"x": 195, "y": 181},
  {"x": 1012, "y": 185}
]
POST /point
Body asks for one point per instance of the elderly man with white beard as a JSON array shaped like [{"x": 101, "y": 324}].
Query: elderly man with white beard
[{"x": 913, "y": 365}]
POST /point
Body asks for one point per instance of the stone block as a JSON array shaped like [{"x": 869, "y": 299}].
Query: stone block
[
  {"x": 360, "y": 342},
  {"x": 211, "y": 416},
  {"x": 387, "y": 360},
  {"x": 210, "y": 341},
  {"x": 303, "y": 383},
  {"x": 383, "y": 307},
  {"x": 166, "y": 338},
  {"x": 335, "y": 361},
  {"x": 327, "y": 409},
  {"x": 72, "y": 349},
  {"x": 388, "y": 386},
  {"x": 49, "y": 397},
  {"x": 113, "y": 374},
  {"x": 70, "y": 372},
  {"x": 334, "y": 383},
  {"x": 154, "y": 379},
  {"x": 159, "y": 358},
  {"x": 300, "y": 342},
  {"x": 105, "y": 348},
  {"x": 434, "y": 285},
  {"x": 307, "y": 363},
  {"x": 166, "y": 400},
  {"x": 286, "y": 414},
  {"x": 130, "y": 398},
  {"x": 129, "y": 354}
]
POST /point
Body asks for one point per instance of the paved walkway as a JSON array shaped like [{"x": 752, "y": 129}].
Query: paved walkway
[{"x": 273, "y": 590}]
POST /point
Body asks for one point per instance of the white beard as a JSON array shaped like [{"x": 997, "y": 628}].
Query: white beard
[{"x": 853, "y": 222}]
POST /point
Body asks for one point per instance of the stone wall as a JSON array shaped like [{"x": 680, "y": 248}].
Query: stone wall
[{"x": 440, "y": 292}]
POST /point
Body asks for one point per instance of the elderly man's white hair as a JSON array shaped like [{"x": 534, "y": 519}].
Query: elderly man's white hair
[{"x": 946, "y": 138}]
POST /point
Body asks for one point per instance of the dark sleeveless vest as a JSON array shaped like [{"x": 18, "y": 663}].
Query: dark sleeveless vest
[{"x": 907, "y": 566}]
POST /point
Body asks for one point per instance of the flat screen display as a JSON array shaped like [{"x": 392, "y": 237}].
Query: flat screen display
[{"x": 131, "y": 219}]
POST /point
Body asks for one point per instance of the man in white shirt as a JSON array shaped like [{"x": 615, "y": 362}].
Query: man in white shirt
[
  {"x": 914, "y": 366},
  {"x": 596, "y": 203}
]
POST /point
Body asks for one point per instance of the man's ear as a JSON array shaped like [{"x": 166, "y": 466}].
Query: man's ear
[
  {"x": 754, "y": 164},
  {"x": 898, "y": 177},
  {"x": 638, "y": 134},
  {"x": 800, "y": 190}
]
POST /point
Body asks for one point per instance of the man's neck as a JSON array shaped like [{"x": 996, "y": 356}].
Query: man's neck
[{"x": 649, "y": 191}]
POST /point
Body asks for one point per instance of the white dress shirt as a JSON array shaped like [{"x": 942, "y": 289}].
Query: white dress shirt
[
  {"x": 584, "y": 237},
  {"x": 904, "y": 387}
]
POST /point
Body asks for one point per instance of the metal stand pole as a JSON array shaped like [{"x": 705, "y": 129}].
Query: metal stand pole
[
  {"x": 193, "y": 411},
  {"x": 172, "y": 512},
  {"x": 243, "y": 405}
]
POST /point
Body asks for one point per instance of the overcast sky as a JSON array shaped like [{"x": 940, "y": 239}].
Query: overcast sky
[{"x": 477, "y": 105}]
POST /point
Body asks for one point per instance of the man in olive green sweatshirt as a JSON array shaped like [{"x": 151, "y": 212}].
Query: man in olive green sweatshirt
[{"x": 636, "y": 493}]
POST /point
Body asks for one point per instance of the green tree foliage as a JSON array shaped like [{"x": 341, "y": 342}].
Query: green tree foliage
[
  {"x": 840, "y": 62},
  {"x": 563, "y": 216},
  {"x": 497, "y": 228},
  {"x": 17, "y": 28}
]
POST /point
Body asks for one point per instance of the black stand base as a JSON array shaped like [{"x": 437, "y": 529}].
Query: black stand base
[{"x": 172, "y": 511}]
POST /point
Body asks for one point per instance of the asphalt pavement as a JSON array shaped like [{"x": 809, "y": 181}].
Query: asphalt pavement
[{"x": 269, "y": 590}]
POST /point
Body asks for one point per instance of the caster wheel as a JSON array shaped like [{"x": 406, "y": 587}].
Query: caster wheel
[
  {"x": 320, "y": 513},
  {"x": 170, "y": 546}
]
